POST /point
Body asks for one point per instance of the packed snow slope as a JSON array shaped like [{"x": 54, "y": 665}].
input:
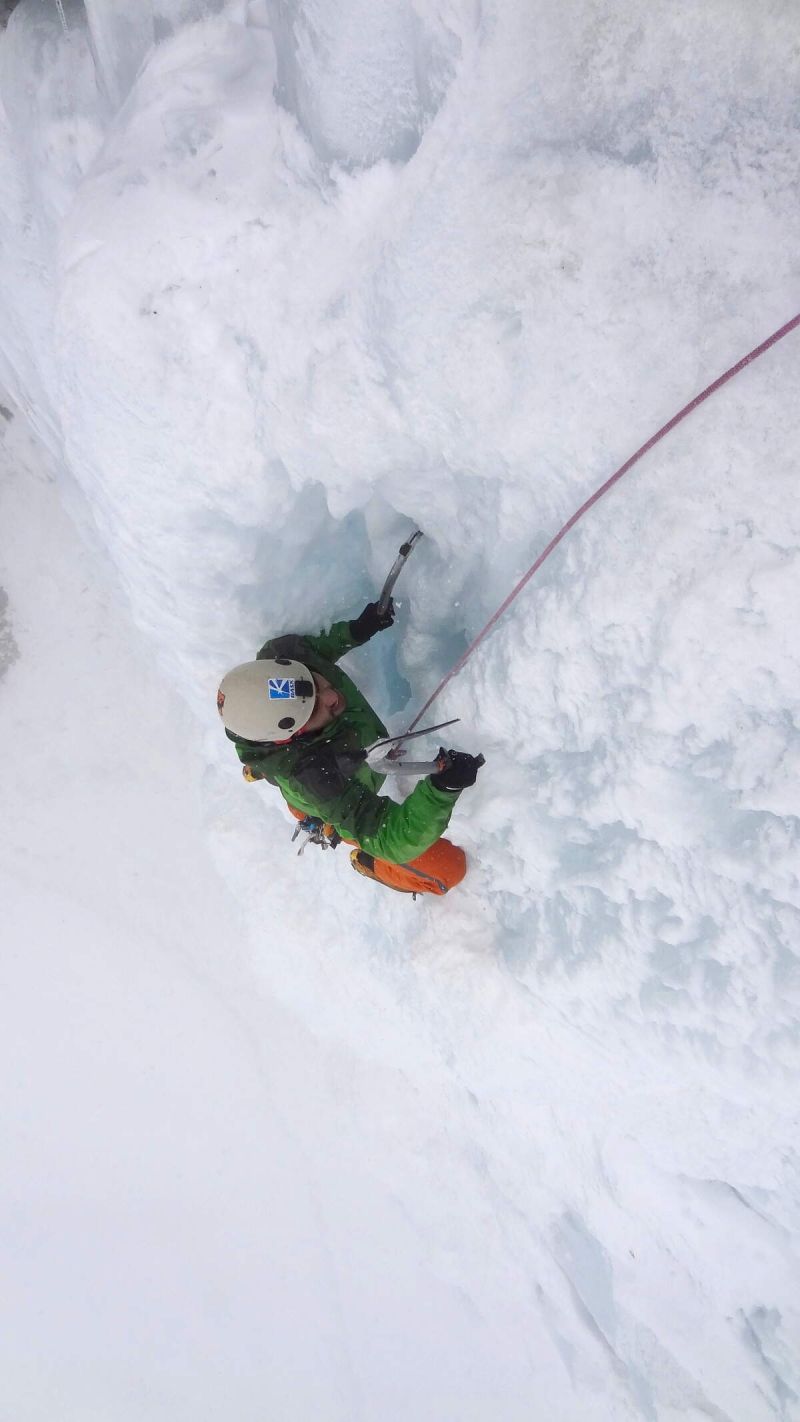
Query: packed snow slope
[
  {"x": 282, "y": 282},
  {"x": 160, "y": 1194}
]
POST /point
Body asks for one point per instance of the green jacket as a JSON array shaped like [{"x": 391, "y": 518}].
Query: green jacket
[{"x": 308, "y": 776}]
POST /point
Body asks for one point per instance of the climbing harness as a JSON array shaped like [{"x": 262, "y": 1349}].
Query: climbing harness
[{"x": 598, "y": 494}]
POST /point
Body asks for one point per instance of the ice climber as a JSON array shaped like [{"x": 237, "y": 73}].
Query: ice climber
[{"x": 299, "y": 722}]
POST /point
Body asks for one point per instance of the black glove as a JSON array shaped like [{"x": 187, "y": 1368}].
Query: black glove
[
  {"x": 371, "y": 621},
  {"x": 458, "y": 770}
]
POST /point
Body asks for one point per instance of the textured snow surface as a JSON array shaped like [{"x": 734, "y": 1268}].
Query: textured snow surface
[{"x": 281, "y": 282}]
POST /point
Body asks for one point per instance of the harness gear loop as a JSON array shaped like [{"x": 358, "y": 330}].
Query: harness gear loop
[{"x": 316, "y": 832}]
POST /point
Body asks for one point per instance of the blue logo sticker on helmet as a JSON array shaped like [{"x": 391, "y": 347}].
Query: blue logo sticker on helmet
[{"x": 281, "y": 688}]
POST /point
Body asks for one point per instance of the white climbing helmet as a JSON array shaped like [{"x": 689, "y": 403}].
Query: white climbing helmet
[{"x": 267, "y": 700}]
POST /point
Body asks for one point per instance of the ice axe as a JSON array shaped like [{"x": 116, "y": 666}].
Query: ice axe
[
  {"x": 379, "y": 757},
  {"x": 394, "y": 764},
  {"x": 383, "y": 603},
  {"x": 396, "y": 569},
  {"x": 398, "y": 766},
  {"x": 392, "y": 761}
]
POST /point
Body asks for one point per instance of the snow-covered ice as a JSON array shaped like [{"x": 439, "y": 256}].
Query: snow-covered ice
[{"x": 279, "y": 283}]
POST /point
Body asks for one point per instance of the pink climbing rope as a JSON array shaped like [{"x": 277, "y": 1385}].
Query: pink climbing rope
[{"x": 598, "y": 494}]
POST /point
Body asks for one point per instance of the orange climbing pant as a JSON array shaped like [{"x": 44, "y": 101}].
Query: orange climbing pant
[
  {"x": 436, "y": 871},
  {"x": 440, "y": 868}
]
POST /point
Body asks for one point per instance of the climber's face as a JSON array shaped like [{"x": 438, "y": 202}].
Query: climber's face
[{"x": 329, "y": 704}]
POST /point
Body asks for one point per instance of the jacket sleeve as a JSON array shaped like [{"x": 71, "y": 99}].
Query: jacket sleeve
[
  {"x": 411, "y": 828},
  {"x": 330, "y": 645},
  {"x": 390, "y": 831}
]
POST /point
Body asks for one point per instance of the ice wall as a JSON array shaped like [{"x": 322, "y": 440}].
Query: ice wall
[{"x": 51, "y": 127}]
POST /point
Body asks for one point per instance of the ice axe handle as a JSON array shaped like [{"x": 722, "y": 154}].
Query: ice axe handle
[{"x": 396, "y": 569}]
